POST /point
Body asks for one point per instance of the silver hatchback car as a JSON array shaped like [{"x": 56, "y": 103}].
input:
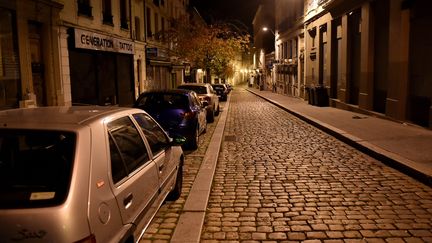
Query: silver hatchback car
[
  {"x": 84, "y": 174},
  {"x": 207, "y": 95}
]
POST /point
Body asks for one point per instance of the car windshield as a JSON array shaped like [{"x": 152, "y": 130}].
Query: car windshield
[
  {"x": 163, "y": 101},
  {"x": 197, "y": 89},
  {"x": 35, "y": 167},
  {"x": 219, "y": 87}
]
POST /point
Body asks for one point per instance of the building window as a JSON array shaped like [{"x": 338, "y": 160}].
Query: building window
[
  {"x": 163, "y": 29},
  {"x": 10, "y": 81},
  {"x": 124, "y": 14},
  {"x": 84, "y": 8},
  {"x": 156, "y": 2},
  {"x": 339, "y": 52},
  {"x": 290, "y": 45},
  {"x": 323, "y": 55},
  {"x": 280, "y": 51},
  {"x": 156, "y": 23},
  {"x": 312, "y": 35},
  {"x": 107, "y": 17},
  {"x": 138, "y": 28},
  {"x": 148, "y": 23}
]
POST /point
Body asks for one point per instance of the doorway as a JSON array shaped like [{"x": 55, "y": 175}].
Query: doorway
[{"x": 37, "y": 64}]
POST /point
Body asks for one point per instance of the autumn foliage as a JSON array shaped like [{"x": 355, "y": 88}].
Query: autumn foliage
[{"x": 209, "y": 47}]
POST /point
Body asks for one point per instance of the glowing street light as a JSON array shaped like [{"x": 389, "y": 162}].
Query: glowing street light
[{"x": 267, "y": 29}]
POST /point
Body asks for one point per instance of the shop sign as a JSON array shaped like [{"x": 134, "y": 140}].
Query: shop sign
[{"x": 94, "y": 41}]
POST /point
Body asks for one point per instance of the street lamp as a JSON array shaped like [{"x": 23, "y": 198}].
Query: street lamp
[{"x": 266, "y": 29}]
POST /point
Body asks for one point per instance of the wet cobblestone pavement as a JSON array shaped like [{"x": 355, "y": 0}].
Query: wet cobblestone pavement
[{"x": 279, "y": 179}]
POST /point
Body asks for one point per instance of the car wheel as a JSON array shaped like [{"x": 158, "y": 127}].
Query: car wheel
[
  {"x": 193, "y": 143},
  {"x": 176, "y": 191},
  {"x": 210, "y": 116},
  {"x": 205, "y": 128}
]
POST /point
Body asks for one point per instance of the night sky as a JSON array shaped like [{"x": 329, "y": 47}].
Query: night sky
[{"x": 233, "y": 11}]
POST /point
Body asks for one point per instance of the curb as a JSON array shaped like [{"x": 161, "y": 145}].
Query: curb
[
  {"x": 191, "y": 220},
  {"x": 393, "y": 160}
]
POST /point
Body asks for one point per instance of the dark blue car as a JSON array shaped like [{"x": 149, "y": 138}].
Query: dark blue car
[{"x": 179, "y": 112}]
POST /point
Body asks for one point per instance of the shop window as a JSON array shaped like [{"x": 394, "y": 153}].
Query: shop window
[
  {"x": 84, "y": 8},
  {"x": 107, "y": 12}
]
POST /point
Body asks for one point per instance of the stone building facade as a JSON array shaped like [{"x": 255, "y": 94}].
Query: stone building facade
[
  {"x": 102, "y": 52},
  {"x": 369, "y": 56}
]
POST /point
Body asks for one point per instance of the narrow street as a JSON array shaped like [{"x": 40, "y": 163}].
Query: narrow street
[{"x": 281, "y": 179}]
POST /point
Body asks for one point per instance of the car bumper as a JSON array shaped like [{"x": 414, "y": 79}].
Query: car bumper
[{"x": 186, "y": 131}]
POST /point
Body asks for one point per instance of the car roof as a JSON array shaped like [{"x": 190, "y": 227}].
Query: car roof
[
  {"x": 194, "y": 84},
  {"x": 76, "y": 115},
  {"x": 168, "y": 91}
]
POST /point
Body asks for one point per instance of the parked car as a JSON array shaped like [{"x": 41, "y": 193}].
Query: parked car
[
  {"x": 207, "y": 95},
  {"x": 178, "y": 111},
  {"x": 221, "y": 91},
  {"x": 230, "y": 87},
  {"x": 84, "y": 174}
]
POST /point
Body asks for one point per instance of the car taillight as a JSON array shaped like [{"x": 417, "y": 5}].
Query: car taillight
[
  {"x": 89, "y": 239},
  {"x": 187, "y": 115}
]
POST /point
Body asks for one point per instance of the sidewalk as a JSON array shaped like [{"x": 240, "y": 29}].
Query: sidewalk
[{"x": 407, "y": 148}]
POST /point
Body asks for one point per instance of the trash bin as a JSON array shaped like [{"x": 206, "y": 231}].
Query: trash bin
[
  {"x": 310, "y": 95},
  {"x": 321, "y": 96}
]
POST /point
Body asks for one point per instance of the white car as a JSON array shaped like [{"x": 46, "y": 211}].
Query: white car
[
  {"x": 84, "y": 174},
  {"x": 207, "y": 95}
]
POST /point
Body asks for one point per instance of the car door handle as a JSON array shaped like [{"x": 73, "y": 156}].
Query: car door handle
[
  {"x": 128, "y": 201},
  {"x": 161, "y": 167}
]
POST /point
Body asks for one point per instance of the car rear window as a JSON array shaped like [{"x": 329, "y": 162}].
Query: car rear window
[
  {"x": 35, "y": 167},
  {"x": 165, "y": 101},
  {"x": 197, "y": 89},
  {"x": 218, "y": 87}
]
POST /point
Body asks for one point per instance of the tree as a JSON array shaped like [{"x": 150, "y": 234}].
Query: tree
[{"x": 207, "y": 47}]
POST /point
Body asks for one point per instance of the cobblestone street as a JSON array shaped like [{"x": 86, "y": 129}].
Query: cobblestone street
[
  {"x": 165, "y": 221},
  {"x": 279, "y": 179}
]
